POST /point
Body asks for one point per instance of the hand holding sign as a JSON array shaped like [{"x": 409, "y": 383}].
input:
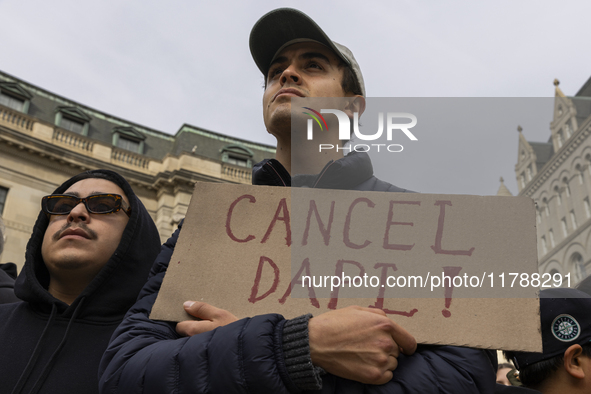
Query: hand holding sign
[
  {"x": 357, "y": 343},
  {"x": 211, "y": 318}
]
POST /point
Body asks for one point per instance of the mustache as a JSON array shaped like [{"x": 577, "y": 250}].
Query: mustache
[{"x": 91, "y": 233}]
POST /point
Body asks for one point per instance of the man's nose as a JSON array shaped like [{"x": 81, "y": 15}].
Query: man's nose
[
  {"x": 79, "y": 212},
  {"x": 290, "y": 75}
]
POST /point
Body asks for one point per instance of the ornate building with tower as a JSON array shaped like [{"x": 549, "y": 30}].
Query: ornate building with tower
[
  {"x": 557, "y": 175},
  {"x": 45, "y": 139}
]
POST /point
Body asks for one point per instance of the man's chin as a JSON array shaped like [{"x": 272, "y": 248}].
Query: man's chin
[
  {"x": 73, "y": 262},
  {"x": 281, "y": 121},
  {"x": 280, "y": 126},
  {"x": 70, "y": 266}
]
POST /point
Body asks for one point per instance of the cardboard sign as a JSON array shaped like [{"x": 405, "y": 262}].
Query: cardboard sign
[{"x": 439, "y": 265}]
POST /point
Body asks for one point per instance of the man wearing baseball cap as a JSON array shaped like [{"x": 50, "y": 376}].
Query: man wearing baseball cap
[
  {"x": 349, "y": 350},
  {"x": 298, "y": 59},
  {"x": 565, "y": 364}
]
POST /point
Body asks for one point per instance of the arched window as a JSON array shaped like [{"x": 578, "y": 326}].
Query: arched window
[
  {"x": 530, "y": 173},
  {"x": 566, "y": 186},
  {"x": 580, "y": 174},
  {"x": 544, "y": 245},
  {"x": 578, "y": 268},
  {"x": 567, "y": 130},
  {"x": 558, "y": 196},
  {"x": 546, "y": 207},
  {"x": 555, "y": 271}
]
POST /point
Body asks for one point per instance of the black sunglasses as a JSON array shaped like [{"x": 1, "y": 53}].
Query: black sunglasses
[{"x": 62, "y": 204}]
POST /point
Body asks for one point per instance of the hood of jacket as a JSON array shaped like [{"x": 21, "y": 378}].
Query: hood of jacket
[{"x": 115, "y": 288}]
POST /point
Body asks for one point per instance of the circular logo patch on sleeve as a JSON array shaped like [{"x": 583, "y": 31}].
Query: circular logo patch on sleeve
[{"x": 565, "y": 328}]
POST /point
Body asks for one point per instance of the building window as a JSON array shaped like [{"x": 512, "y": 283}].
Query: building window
[
  {"x": 580, "y": 271},
  {"x": 551, "y": 236},
  {"x": 573, "y": 219},
  {"x": 546, "y": 207},
  {"x": 564, "y": 227},
  {"x": 544, "y": 246},
  {"x": 237, "y": 161},
  {"x": 129, "y": 138},
  {"x": 567, "y": 130},
  {"x": 13, "y": 96},
  {"x": 558, "y": 196},
  {"x": 3, "y": 193},
  {"x": 587, "y": 207},
  {"x": 72, "y": 119},
  {"x": 72, "y": 125},
  {"x": 530, "y": 173},
  {"x": 127, "y": 144},
  {"x": 237, "y": 155},
  {"x": 12, "y": 102},
  {"x": 555, "y": 271},
  {"x": 566, "y": 187}
]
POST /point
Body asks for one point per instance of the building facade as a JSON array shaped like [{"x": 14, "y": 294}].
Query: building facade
[
  {"x": 45, "y": 139},
  {"x": 557, "y": 175}
]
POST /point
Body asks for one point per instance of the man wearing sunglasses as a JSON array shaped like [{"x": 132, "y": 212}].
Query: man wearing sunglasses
[{"x": 89, "y": 255}]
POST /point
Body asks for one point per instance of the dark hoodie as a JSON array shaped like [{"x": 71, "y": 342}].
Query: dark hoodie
[
  {"x": 50, "y": 347},
  {"x": 7, "y": 277}
]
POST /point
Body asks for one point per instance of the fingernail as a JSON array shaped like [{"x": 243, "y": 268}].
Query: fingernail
[{"x": 188, "y": 304}]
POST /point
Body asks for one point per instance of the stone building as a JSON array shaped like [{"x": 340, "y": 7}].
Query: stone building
[
  {"x": 45, "y": 139},
  {"x": 557, "y": 175}
]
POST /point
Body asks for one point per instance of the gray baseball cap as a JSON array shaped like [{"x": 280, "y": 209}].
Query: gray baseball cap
[{"x": 285, "y": 26}]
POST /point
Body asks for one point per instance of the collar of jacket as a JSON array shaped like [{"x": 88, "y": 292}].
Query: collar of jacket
[{"x": 345, "y": 173}]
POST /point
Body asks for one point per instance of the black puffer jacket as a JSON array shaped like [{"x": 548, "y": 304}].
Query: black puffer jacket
[
  {"x": 48, "y": 346},
  {"x": 248, "y": 356}
]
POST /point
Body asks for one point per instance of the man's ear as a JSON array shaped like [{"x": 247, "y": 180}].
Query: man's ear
[
  {"x": 574, "y": 361},
  {"x": 355, "y": 104}
]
